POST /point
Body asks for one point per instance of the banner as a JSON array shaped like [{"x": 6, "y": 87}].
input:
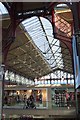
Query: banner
[{"x": 76, "y": 63}]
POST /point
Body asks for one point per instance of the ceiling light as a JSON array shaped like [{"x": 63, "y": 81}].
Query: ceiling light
[
  {"x": 24, "y": 62},
  {"x": 14, "y": 62},
  {"x": 20, "y": 66}
]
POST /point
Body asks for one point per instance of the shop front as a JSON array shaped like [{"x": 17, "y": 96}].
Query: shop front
[
  {"x": 36, "y": 95},
  {"x": 62, "y": 97}
]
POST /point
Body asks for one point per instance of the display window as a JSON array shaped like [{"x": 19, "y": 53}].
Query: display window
[
  {"x": 62, "y": 98},
  {"x": 37, "y": 96}
]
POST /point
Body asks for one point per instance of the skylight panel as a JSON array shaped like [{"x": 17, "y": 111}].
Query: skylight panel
[
  {"x": 3, "y": 10},
  {"x": 54, "y": 48},
  {"x": 61, "y": 5},
  {"x": 41, "y": 32}
]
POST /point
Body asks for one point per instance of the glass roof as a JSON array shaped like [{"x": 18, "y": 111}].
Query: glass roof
[
  {"x": 56, "y": 78},
  {"x": 11, "y": 76},
  {"x": 62, "y": 25},
  {"x": 41, "y": 32},
  {"x": 63, "y": 19}
]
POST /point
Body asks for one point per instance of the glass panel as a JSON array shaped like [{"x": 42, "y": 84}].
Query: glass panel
[
  {"x": 3, "y": 10},
  {"x": 42, "y": 36},
  {"x": 6, "y": 75}
]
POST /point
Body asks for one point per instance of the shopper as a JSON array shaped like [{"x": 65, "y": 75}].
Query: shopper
[{"x": 25, "y": 101}]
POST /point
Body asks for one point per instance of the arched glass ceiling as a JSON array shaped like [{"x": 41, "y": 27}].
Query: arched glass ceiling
[
  {"x": 41, "y": 32},
  {"x": 3, "y": 10}
]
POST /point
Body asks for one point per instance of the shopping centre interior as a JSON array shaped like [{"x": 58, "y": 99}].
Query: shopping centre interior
[{"x": 40, "y": 60}]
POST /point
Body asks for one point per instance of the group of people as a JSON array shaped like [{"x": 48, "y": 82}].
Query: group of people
[{"x": 29, "y": 102}]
